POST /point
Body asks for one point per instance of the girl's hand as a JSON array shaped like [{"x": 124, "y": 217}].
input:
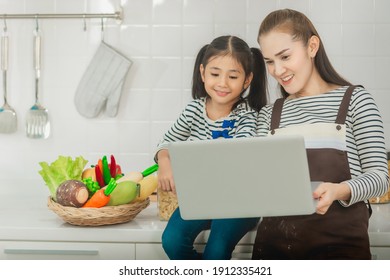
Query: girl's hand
[
  {"x": 165, "y": 175},
  {"x": 326, "y": 193}
]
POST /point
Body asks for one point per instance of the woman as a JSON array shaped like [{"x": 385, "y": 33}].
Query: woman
[{"x": 344, "y": 138}]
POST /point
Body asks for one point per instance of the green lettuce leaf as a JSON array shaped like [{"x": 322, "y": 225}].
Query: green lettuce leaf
[{"x": 64, "y": 168}]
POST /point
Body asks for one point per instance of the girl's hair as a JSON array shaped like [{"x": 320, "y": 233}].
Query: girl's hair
[
  {"x": 301, "y": 28},
  {"x": 252, "y": 61}
]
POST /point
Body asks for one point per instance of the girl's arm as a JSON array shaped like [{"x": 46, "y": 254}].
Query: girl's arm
[
  {"x": 263, "y": 121},
  {"x": 181, "y": 128},
  {"x": 179, "y": 131},
  {"x": 246, "y": 125},
  {"x": 165, "y": 175}
]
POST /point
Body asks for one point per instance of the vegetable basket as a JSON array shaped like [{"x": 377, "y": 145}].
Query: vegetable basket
[{"x": 107, "y": 215}]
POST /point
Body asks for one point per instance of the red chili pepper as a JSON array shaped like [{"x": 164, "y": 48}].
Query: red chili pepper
[
  {"x": 113, "y": 166},
  {"x": 99, "y": 176}
]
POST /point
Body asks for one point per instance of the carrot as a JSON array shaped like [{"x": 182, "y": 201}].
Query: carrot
[{"x": 101, "y": 197}]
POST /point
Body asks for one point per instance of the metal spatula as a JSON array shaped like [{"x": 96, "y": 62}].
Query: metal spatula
[
  {"x": 37, "y": 120},
  {"x": 8, "y": 119}
]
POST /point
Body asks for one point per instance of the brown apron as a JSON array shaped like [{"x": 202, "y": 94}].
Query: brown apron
[{"x": 342, "y": 233}]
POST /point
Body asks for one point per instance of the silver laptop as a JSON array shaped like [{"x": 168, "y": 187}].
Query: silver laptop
[{"x": 245, "y": 177}]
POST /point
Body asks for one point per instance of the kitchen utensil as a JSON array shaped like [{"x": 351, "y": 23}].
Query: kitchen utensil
[
  {"x": 37, "y": 120},
  {"x": 8, "y": 119},
  {"x": 101, "y": 85}
]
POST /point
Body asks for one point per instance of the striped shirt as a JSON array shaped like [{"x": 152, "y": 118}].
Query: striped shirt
[
  {"x": 365, "y": 140},
  {"x": 193, "y": 124}
]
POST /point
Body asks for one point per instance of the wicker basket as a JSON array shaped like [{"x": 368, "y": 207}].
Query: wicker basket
[{"x": 107, "y": 215}]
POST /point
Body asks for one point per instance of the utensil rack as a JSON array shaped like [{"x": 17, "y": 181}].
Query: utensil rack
[{"x": 117, "y": 15}]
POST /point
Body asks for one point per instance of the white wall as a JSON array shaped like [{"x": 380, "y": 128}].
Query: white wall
[{"x": 161, "y": 37}]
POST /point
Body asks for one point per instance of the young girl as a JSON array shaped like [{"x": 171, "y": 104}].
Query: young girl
[
  {"x": 344, "y": 139},
  {"x": 222, "y": 107}
]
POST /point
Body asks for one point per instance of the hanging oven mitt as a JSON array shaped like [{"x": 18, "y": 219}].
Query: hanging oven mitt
[{"x": 102, "y": 83}]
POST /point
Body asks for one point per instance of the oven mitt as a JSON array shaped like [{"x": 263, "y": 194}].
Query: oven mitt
[{"x": 101, "y": 85}]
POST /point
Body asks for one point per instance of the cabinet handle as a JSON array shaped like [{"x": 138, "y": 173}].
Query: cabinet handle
[{"x": 50, "y": 252}]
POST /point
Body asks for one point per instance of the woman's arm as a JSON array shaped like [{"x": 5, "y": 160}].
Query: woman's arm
[{"x": 368, "y": 136}]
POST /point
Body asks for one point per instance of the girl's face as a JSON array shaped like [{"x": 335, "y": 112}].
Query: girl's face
[
  {"x": 290, "y": 62},
  {"x": 224, "y": 79}
]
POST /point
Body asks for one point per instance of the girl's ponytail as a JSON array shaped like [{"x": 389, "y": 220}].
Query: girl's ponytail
[
  {"x": 198, "y": 89},
  {"x": 258, "y": 91}
]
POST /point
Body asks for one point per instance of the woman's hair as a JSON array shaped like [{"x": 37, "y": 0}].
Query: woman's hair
[
  {"x": 301, "y": 28},
  {"x": 252, "y": 61}
]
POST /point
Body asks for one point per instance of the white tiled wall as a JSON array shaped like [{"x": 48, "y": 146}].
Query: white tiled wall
[{"x": 161, "y": 37}]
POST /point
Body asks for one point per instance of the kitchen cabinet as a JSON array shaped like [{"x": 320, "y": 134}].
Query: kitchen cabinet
[
  {"x": 380, "y": 253},
  {"x": 32, "y": 231}
]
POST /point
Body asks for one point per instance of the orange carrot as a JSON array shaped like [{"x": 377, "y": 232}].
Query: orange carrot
[{"x": 101, "y": 197}]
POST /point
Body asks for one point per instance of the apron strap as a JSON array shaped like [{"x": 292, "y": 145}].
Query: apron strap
[
  {"x": 343, "y": 110},
  {"x": 341, "y": 117},
  {"x": 276, "y": 114}
]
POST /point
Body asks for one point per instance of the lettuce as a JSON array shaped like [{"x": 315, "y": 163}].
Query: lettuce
[{"x": 64, "y": 168}]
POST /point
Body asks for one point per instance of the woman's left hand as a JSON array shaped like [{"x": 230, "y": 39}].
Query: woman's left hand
[{"x": 326, "y": 193}]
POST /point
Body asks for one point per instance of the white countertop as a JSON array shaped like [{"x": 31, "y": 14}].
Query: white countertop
[{"x": 32, "y": 220}]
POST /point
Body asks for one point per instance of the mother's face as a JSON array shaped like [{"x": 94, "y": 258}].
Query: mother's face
[{"x": 289, "y": 61}]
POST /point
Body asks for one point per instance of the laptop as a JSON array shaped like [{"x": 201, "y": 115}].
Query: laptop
[{"x": 242, "y": 177}]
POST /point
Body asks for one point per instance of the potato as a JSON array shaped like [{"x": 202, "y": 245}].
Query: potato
[
  {"x": 72, "y": 193},
  {"x": 89, "y": 173}
]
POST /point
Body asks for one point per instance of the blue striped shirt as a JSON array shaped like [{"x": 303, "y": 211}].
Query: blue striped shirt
[{"x": 193, "y": 124}]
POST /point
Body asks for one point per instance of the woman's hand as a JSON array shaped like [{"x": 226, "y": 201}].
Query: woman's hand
[
  {"x": 326, "y": 193},
  {"x": 165, "y": 175}
]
